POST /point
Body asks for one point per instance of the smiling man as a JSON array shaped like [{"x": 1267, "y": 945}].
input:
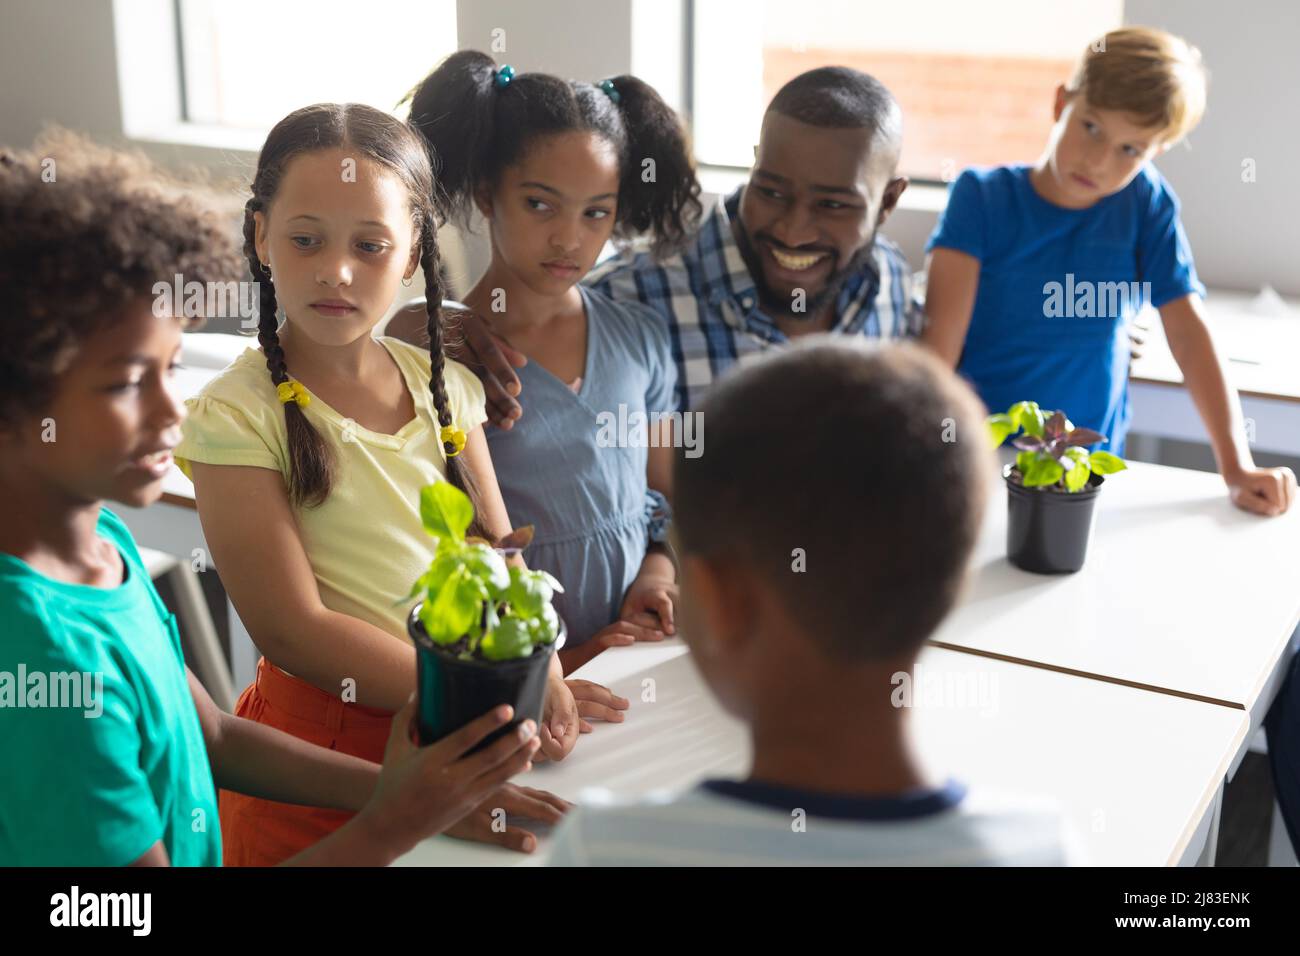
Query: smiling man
[{"x": 796, "y": 249}]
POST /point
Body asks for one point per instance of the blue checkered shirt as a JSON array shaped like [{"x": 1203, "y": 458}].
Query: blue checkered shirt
[{"x": 710, "y": 301}]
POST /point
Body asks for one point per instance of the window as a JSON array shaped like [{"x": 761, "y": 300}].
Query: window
[
  {"x": 246, "y": 64},
  {"x": 975, "y": 82}
]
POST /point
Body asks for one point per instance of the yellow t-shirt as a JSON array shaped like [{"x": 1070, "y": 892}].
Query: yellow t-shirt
[{"x": 366, "y": 543}]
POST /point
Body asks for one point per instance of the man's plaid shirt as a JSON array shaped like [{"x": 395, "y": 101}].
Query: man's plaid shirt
[{"x": 710, "y": 301}]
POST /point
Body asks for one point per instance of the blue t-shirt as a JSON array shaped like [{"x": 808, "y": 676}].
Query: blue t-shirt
[
  {"x": 1058, "y": 288},
  {"x": 574, "y": 466}
]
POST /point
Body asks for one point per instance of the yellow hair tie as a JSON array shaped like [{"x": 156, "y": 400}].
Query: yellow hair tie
[
  {"x": 292, "y": 391},
  {"x": 452, "y": 434}
]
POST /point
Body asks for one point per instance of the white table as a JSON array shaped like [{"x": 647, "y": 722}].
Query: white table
[
  {"x": 1262, "y": 353},
  {"x": 1182, "y": 593},
  {"x": 1139, "y": 774},
  {"x": 1200, "y": 599}
]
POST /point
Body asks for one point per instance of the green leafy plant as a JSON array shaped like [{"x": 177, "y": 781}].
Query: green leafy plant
[
  {"x": 1050, "y": 448},
  {"x": 475, "y": 605}
]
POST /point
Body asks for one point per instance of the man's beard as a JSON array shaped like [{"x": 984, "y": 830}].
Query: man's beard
[{"x": 781, "y": 305}]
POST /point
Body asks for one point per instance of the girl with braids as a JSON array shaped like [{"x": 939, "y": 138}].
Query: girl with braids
[
  {"x": 88, "y": 415},
  {"x": 308, "y": 457},
  {"x": 557, "y": 168}
]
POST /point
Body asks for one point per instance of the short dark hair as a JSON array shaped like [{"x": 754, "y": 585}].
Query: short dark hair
[
  {"x": 874, "y": 460},
  {"x": 840, "y": 97},
  {"x": 85, "y": 233}
]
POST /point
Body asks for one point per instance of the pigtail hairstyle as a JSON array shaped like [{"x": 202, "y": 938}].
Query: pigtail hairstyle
[
  {"x": 476, "y": 123},
  {"x": 454, "y": 110},
  {"x": 658, "y": 191},
  {"x": 391, "y": 144}
]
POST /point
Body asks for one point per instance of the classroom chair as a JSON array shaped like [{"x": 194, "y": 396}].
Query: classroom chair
[{"x": 198, "y": 632}]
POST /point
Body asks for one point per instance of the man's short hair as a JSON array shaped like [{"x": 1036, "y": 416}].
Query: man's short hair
[{"x": 842, "y": 98}]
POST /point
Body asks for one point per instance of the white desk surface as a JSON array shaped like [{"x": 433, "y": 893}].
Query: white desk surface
[
  {"x": 203, "y": 354},
  {"x": 1262, "y": 350},
  {"x": 1181, "y": 591},
  {"x": 1136, "y": 777},
  {"x": 1134, "y": 771}
]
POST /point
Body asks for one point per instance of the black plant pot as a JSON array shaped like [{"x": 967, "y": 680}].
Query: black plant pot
[
  {"x": 451, "y": 692},
  {"x": 1048, "y": 531}
]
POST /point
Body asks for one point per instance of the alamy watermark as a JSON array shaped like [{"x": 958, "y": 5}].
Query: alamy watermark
[
  {"x": 953, "y": 690},
  {"x": 1093, "y": 300},
  {"x": 629, "y": 429},
  {"x": 208, "y": 300},
  {"x": 75, "y": 908},
  {"x": 80, "y": 690}
]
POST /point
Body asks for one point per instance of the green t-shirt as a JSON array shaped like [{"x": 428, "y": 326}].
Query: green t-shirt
[{"x": 101, "y": 753}]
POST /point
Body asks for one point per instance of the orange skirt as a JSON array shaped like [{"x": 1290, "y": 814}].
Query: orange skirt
[{"x": 257, "y": 832}]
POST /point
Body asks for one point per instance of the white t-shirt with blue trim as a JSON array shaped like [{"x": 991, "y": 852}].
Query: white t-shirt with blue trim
[{"x": 734, "y": 823}]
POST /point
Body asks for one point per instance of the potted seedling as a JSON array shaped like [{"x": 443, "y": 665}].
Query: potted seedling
[
  {"x": 1051, "y": 487},
  {"x": 484, "y": 630}
]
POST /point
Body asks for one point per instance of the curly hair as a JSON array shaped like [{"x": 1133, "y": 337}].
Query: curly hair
[{"x": 85, "y": 233}]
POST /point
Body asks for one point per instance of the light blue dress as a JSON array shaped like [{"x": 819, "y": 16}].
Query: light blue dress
[{"x": 571, "y": 471}]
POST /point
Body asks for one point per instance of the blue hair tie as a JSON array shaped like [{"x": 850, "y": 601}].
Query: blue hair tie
[
  {"x": 504, "y": 76},
  {"x": 608, "y": 87}
]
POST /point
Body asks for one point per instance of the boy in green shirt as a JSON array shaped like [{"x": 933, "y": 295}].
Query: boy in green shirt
[
  {"x": 110, "y": 750},
  {"x": 128, "y": 734}
]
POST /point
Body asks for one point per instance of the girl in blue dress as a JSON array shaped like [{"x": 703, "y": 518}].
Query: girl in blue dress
[{"x": 557, "y": 168}]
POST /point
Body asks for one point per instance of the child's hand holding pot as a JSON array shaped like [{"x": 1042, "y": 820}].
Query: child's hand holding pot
[{"x": 424, "y": 790}]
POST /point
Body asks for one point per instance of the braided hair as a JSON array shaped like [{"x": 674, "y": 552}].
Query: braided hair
[{"x": 391, "y": 144}]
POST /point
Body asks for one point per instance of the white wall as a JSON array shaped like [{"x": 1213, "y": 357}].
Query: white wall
[
  {"x": 577, "y": 39},
  {"x": 57, "y": 62},
  {"x": 1243, "y": 234}
]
